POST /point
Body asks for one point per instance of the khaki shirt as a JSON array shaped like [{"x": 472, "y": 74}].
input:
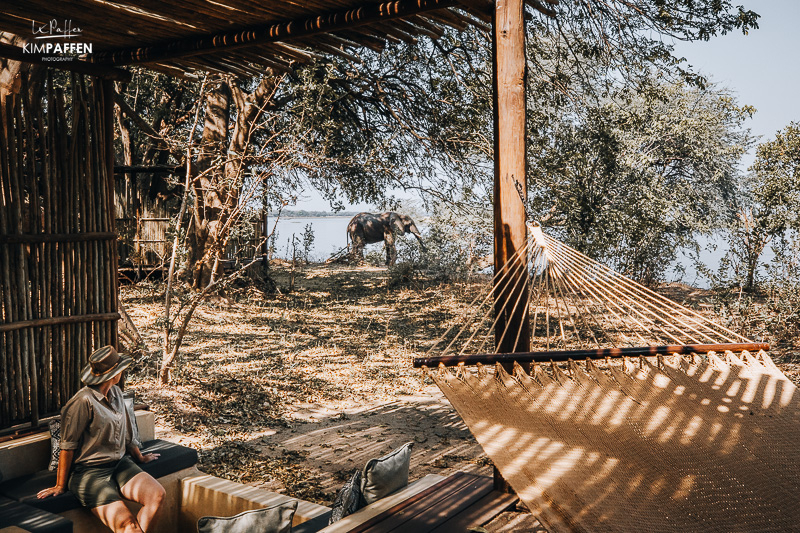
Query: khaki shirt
[{"x": 100, "y": 429}]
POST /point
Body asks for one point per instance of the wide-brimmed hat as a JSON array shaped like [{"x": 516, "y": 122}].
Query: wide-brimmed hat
[{"x": 104, "y": 364}]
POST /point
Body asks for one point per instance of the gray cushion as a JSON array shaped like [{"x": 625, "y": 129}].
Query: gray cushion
[
  {"x": 174, "y": 457},
  {"x": 128, "y": 401},
  {"x": 386, "y": 474},
  {"x": 31, "y": 519},
  {"x": 275, "y": 519}
]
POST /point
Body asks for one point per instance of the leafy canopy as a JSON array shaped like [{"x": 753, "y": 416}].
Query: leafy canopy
[{"x": 631, "y": 178}]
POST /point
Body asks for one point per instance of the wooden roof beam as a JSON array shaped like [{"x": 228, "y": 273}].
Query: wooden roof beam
[
  {"x": 483, "y": 9},
  {"x": 471, "y": 21},
  {"x": 285, "y": 31},
  {"x": 267, "y": 59},
  {"x": 337, "y": 40},
  {"x": 423, "y": 26},
  {"x": 364, "y": 37},
  {"x": 332, "y": 50},
  {"x": 479, "y": 14},
  {"x": 172, "y": 70},
  {"x": 447, "y": 18},
  {"x": 259, "y": 59},
  {"x": 292, "y": 52},
  {"x": 543, "y": 9},
  {"x": 394, "y": 31}
]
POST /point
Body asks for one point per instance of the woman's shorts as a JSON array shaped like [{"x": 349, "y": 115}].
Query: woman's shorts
[{"x": 100, "y": 484}]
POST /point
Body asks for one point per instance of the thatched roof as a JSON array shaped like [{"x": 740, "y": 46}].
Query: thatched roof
[{"x": 239, "y": 36}]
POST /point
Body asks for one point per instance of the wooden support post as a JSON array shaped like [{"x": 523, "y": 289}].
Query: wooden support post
[
  {"x": 510, "y": 232},
  {"x": 512, "y": 330},
  {"x": 112, "y": 259}
]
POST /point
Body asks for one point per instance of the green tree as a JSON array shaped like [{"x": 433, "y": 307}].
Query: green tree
[
  {"x": 417, "y": 115},
  {"x": 634, "y": 176},
  {"x": 776, "y": 187},
  {"x": 414, "y": 116},
  {"x": 768, "y": 209}
]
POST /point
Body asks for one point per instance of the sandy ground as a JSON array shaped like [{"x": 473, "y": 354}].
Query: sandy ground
[{"x": 293, "y": 391}]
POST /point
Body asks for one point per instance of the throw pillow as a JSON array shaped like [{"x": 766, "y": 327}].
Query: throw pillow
[
  {"x": 128, "y": 401},
  {"x": 275, "y": 519},
  {"x": 386, "y": 474},
  {"x": 348, "y": 500},
  {"x": 55, "y": 444}
]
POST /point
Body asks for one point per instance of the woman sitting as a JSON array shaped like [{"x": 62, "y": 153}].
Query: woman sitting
[{"x": 96, "y": 431}]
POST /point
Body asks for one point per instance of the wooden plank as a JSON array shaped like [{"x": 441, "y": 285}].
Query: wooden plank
[
  {"x": 60, "y": 320},
  {"x": 377, "y": 511},
  {"x": 401, "y": 512},
  {"x": 435, "y": 493},
  {"x": 424, "y": 515},
  {"x": 578, "y": 355},
  {"x": 30, "y": 238},
  {"x": 479, "y": 513}
]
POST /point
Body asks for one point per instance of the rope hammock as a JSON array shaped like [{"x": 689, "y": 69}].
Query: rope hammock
[
  {"x": 705, "y": 441},
  {"x": 575, "y": 303}
]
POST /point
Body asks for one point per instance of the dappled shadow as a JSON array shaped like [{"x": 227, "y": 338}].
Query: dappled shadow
[
  {"x": 350, "y": 311},
  {"x": 295, "y": 391},
  {"x": 312, "y": 459},
  {"x": 705, "y": 447}
]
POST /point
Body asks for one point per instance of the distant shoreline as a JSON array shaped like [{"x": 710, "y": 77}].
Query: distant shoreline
[{"x": 289, "y": 213}]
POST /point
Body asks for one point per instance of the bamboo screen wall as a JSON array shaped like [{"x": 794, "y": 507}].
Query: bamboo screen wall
[
  {"x": 58, "y": 286},
  {"x": 142, "y": 224}
]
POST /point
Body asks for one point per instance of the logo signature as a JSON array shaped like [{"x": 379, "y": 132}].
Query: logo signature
[
  {"x": 52, "y": 30},
  {"x": 56, "y": 29}
]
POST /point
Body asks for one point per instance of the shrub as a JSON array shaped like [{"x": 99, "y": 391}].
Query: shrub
[{"x": 401, "y": 275}]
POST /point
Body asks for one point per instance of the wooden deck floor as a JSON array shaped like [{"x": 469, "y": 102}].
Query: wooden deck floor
[{"x": 456, "y": 504}]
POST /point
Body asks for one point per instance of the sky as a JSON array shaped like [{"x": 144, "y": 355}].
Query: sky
[{"x": 761, "y": 69}]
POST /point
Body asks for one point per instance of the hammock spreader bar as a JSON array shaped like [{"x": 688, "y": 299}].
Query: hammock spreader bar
[{"x": 579, "y": 355}]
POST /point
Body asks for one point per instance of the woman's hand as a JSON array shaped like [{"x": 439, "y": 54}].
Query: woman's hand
[
  {"x": 140, "y": 457},
  {"x": 147, "y": 457},
  {"x": 52, "y": 491},
  {"x": 62, "y": 475}
]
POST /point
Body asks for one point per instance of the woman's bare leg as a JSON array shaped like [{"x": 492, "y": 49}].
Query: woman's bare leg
[
  {"x": 145, "y": 490},
  {"x": 117, "y": 517}
]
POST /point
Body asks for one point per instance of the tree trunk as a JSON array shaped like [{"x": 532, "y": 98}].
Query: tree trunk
[
  {"x": 208, "y": 185},
  {"x": 219, "y": 173}
]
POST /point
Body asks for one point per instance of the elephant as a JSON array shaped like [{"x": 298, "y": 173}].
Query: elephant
[{"x": 367, "y": 228}]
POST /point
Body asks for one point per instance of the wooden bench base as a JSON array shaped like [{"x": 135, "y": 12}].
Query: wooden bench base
[{"x": 432, "y": 504}]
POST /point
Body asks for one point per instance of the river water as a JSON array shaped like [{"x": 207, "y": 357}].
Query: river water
[{"x": 330, "y": 236}]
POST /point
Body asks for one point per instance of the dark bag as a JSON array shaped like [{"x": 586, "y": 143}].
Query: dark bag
[{"x": 348, "y": 500}]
